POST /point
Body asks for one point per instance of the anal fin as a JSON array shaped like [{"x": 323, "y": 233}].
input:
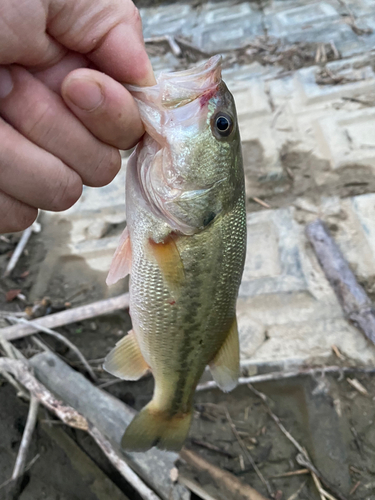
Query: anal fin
[
  {"x": 126, "y": 360},
  {"x": 225, "y": 367}
]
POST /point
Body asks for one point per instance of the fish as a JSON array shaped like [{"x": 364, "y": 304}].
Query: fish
[{"x": 184, "y": 247}]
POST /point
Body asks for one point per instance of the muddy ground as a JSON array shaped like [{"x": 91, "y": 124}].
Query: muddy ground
[{"x": 325, "y": 414}]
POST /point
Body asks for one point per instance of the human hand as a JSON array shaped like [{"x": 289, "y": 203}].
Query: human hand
[{"x": 61, "y": 121}]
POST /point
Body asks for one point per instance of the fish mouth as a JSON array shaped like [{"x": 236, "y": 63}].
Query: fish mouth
[{"x": 179, "y": 88}]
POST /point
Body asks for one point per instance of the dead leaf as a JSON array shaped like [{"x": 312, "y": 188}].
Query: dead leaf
[{"x": 12, "y": 294}]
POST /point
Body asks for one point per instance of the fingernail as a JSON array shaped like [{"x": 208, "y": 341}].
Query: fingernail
[
  {"x": 6, "y": 83},
  {"x": 84, "y": 93}
]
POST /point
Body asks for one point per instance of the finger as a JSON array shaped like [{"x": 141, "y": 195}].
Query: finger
[
  {"x": 15, "y": 215},
  {"x": 54, "y": 76},
  {"x": 110, "y": 33},
  {"x": 41, "y": 116},
  {"x": 104, "y": 106},
  {"x": 23, "y": 37},
  {"x": 33, "y": 176}
]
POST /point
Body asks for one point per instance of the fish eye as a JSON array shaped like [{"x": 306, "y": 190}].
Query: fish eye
[{"x": 223, "y": 124}]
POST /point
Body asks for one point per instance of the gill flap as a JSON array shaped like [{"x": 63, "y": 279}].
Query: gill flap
[
  {"x": 169, "y": 261},
  {"x": 225, "y": 367},
  {"x": 122, "y": 260},
  {"x": 126, "y": 360}
]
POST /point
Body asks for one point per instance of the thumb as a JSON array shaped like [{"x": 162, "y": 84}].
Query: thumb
[
  {"x": 104, "y": 106},
  {"x": 108, "y": 33}
]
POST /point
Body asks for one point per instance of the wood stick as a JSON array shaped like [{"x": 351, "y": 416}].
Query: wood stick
[
  {"x": 18, "y": 251},
  {"x": 267, "y": 377},
  {"x": 66, "y": 317},
  {"x": 226, "y": 481},
  {"x": 212, "y": 447},
  {"x": 62, "y": 339},
  {"x": 70, "y": 416},
  {"x": 32, "y": 416},
  {"x": 120, "y": 464},
  {"x": 356, "y": 305}
]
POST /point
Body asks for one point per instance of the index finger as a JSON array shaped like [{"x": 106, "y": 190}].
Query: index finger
[{"x": 108, "y": 33}]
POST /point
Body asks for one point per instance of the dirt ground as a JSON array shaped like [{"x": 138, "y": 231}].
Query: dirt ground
[{"x": 325, "y": 414}]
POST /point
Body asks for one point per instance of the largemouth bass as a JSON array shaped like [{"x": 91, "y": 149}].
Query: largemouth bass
[{"x": 184, "y": 247}]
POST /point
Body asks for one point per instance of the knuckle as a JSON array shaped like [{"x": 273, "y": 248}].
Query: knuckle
[
  {"x": 135, "y": 16},
  {"x": 107, "y": 168},
  {"x": 36, "y": 122}
]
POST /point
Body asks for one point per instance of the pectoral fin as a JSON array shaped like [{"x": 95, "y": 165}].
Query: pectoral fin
[
  {"x": 122, "y": 260},
  {"x": 126, "y": 360},
  {"x": 168, "y": 258},
  {"x": 225, "y": 367}
]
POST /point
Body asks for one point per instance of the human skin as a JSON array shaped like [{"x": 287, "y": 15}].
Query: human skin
[{"x": 64, "y": 112}]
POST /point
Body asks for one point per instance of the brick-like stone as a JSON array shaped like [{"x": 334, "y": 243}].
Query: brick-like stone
[
  {"x": 168, "y": 20},
  {"x": 348, "y": 139},
  {"x": 302, "y": 17},
  {"x": 285, "y": 298}
]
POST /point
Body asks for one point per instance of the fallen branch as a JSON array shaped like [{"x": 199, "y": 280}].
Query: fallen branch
[
  {"x": 356, "y": 304},
  {"x": 267, "y": 377},
  {"x": 66, "y": 317},
  {"x": 70, "y": 416},
  {"x": 227, "y": 482},
  {"x": 62, "y": 339},
  {"x": 22, "y": 372}
]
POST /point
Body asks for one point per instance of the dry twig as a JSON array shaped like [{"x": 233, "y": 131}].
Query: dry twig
[
  {"x": 62, "y": 339},
  {"x": 175, "y": 48},
  {"x": 358, "y": 386},
  {"x": 212, "y": 447},
  {"x": 356, "y": 305},
  {"x": 66, "y": 317},
  {"x": 261, "y": 202},
  {"x": 302, "y": 458},
  {"x": 295, "y": 495},
  {"x": 267, "y": 377},
  {"x": 292, "y": 473},
  {"x": 19, "y": 249},
  {"x": 246, "y": 452},
  {"x": 32, "y": 416},
  {"x": 232, "y": 486}
]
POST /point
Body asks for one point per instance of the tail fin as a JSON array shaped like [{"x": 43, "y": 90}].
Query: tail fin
[{"x": 152, "y": 427}]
